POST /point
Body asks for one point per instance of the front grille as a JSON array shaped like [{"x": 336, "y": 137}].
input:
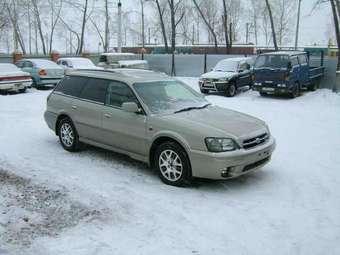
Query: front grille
[
  {"x": 255, "y": 164},
  {"x": 255, "y": 141}
]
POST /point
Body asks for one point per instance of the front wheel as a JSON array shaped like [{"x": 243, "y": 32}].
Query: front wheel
[
  {"x": 23, "y": 90},
  {"x": 231, "y": 90},
  {"x": 68, "y": 135},
  {"x": 204, "y": 91},
  {"x": 296, "y": 91},
  {"x": 172, "y": 164}
]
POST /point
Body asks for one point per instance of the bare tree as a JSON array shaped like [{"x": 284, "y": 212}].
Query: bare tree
[
  {"x": 39, "y": 25},
  {"x": 272, "y": 24},
  {"x": 226, "y": 26},
  {"x": 56, "y": 7},
  {"x": 107, "y": 31},
  {"x": 161, "y": 21},
  {"x": 81, "y": 46},
  {"x": 174, "y": 11},
  {"x": 208, "y": 24}
]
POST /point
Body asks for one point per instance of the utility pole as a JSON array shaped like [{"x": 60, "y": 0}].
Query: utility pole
[
  {"x": 119, "y": 26},
  {"x": 247, "y": 32},
  {"x": 297, "y": 26}
]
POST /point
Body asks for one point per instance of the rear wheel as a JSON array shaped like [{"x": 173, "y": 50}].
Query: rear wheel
[
  {"x": 263, "y": 94},
  {"x": 172, "y": 164},
  {"x": 68, "y": 135},
  {"x": 314, "y": 85},
  {"x": 231, "y": 90}
]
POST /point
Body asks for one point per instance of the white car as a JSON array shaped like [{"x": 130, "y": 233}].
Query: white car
[
  {"x": 122, "y": 60},
  {"x": 72, "y": 64},
  {"x": 228, "y": 76},
  {"x": 13, "y": 79}
]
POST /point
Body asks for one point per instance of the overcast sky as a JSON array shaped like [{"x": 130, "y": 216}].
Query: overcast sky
[{"x": 314, "y": 28}]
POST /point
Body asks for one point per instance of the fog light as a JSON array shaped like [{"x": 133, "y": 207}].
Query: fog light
[{"x": 225, "y": 173}]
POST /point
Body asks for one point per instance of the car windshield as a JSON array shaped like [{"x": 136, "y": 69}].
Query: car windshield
[
  {"x": 42, "y": 63},
  {"x": 82, "y": 62},
  {"x": 8, "y": 68},
  {"x": 271, "y": 61},
  {"x": 226, "y": 66},
  {"x": 169, "y": 96}
]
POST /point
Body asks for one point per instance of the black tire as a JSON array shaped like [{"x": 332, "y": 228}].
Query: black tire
[
  {"x": 231, "y": 90},
  {"x": 73, "y": 146},
  {"x": 167, "y": 172},
  {"x": 204, "y": 91},
  {"x": 296, "y": 91},
  {"x": 263, "y": 94},
  {"x": 313, "y": 86},
  {"x": 23, "y": 90}
]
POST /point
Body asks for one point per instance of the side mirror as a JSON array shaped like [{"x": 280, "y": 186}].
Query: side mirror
[
  {"x": 130, "y": 107},
  {"x": 289, "y": 65}
]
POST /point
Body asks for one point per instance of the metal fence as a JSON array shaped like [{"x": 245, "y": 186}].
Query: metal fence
[{"x": 192, "y": 65}]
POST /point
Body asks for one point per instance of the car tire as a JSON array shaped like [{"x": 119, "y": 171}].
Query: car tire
[
  {"x": 313, "y": 86},
  {"x": 172, "y": 164},
  {"x": 231, "y": 90},
  {"x": 263, "y": 94},
  {"x": 204, "y": 91},
  {"x": 23, "y": 90},
  {"x": 296, "y": 91},
  {"x": 68, "y": 135}
]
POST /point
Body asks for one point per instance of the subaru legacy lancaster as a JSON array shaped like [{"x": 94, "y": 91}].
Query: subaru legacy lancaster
[{"x": 159, "y": 120}]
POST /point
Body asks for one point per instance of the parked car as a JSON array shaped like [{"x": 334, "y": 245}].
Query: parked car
[
  {"x": 43, "y": 72},
  {"x": 159, "y": 120},
  {"x": 122, "y": 60},
  {"x": 227, "y": 76},
  {"x": 72, "y": 64},
  {"x": 285, "y": 72},
  {"x": 13, "y": 79}
]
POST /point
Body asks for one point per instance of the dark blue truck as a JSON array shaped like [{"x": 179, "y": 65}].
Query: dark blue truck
[{"x": 285, "y": 72}]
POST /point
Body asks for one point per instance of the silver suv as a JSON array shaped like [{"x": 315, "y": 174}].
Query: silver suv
[{"x": 159, "y": 120}]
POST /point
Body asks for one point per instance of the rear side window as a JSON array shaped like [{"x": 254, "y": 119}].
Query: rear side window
[
  {"x": 302, "y": 59},
  {"x": 95, "y": 90},
  {"x": 119, "y": 93},
  {"x": 72, "y": 85}
]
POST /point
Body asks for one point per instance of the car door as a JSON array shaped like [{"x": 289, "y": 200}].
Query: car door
[
  {"x": 244, "y": 74},
  {"x": 123, "y": 130},
  {"x": 295, "y": 70},
  {"x": 304, "y": 68},
  {"x": 88, "y": 107}
]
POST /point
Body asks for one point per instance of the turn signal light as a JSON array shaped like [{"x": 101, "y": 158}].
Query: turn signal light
[{"x": 42, "y": 72}]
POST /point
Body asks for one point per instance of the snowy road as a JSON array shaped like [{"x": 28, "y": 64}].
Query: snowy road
[{"x": 291, "y": 206}]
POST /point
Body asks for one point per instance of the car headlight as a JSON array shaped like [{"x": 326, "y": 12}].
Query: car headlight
[{"x": 215, "y": 144}]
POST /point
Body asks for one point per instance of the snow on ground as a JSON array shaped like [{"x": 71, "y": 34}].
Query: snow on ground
[{"x": 291, "y": 206}]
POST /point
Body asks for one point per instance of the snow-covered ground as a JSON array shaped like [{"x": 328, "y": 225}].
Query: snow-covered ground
[{"x": 99, "y": 202}]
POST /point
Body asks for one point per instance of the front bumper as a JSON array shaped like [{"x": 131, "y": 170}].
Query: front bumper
[
  {"x": 217, "y": 86},
  {"x": 272, "y": 88},
  {"x": 228, "y": 165}
]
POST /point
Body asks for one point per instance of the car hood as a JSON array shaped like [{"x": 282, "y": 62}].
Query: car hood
[
  {"x": 217, "y": 75},
  {"x": 217, "y": 121}
]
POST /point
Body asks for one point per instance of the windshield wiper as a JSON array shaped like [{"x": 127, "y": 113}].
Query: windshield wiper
[{"x": 192, "y": 108}]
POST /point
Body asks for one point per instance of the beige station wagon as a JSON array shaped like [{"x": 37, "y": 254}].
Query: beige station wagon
[{"x": 159, "y": 120}]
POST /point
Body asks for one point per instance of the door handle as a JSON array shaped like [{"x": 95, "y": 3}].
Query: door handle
[
  {"x": 107, "y": 115},
  {"x": 74, "y": 107}
]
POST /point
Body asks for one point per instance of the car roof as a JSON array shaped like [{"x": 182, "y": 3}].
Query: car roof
[
  {"x": 117, "y": 54},
  {"x": 126, "y": 75},
  {"x": 236, "y": 59},
  {"x": 289, "y": 53},
  {"x": 72, "y": 58}
]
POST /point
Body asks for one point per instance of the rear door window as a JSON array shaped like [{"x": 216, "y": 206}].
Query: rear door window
[
  {"x": 72, "y": 85},
  {"x": 95, "y": 90}
]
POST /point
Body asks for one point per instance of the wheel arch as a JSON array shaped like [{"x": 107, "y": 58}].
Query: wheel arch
[
  {"x": 59, "y": 118},
  {"x": 167, "y": 138}
]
